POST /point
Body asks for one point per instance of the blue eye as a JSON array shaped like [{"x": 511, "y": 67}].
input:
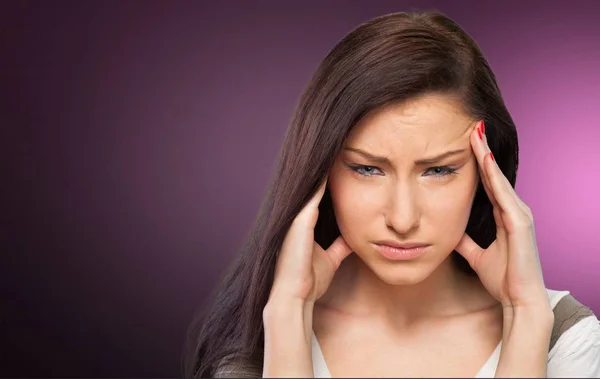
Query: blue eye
[
  {"x": 369, "y": 171},
  {"x": 365, "y": 170},
  {"x": 442, "y": 171}
]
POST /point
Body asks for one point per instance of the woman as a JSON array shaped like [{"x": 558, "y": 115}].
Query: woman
[{"x": 391, "y": 241}]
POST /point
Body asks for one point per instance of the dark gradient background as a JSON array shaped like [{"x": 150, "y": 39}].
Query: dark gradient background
[{"x": 138, "y": 137}]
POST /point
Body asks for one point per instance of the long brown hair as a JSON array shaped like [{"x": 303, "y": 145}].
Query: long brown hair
[{"x": 389, "y": 59}]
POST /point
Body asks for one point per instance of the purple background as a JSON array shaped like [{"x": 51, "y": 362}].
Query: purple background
[{"x": 137, "y": 139}]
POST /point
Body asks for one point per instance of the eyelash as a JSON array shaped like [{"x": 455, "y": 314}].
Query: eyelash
[{"x": 447, "y": 170}]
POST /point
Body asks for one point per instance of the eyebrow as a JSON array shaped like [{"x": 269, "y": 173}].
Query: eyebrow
[{"x": 425, "y": 161}]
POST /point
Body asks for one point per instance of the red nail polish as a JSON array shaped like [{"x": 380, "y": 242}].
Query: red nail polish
[
  {"x": 482, "y": 127},
  {"x": 492, "y": 156},
  {"x": 479, "y": 134}
]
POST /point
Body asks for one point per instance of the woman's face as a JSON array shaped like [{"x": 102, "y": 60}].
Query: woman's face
[{"x": 388, "y": 184}]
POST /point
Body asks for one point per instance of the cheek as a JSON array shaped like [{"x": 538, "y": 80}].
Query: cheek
[
  {"x": 451, "y": 204},
  {"x": 355, "y": 204}
]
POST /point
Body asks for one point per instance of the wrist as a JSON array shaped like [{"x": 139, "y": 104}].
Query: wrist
[
  {"x": 525, "y": 341},
  {"x": 288, "y": 312},
  {"x": 288, "y": 338},
  {"x": 537, "y": 319}
]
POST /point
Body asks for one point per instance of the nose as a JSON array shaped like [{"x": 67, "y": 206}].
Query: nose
[{"x": 402, "y": 213}]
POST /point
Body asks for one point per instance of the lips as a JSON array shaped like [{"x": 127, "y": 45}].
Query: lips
[
  {"x": 401, "y": 251},
  {"x": 404, "y": 245}
]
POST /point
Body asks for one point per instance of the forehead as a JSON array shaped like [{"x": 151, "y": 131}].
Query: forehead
[{"x": 430, "y": 121}]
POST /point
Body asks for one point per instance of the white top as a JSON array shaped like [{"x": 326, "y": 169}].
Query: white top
[{"x": 576, "y": 354}]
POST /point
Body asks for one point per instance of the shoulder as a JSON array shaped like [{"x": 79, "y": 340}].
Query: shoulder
[{"x": 575, "y": 340}]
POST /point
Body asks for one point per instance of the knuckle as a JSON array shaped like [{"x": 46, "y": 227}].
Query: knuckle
[
  {"x": 298, "y": 221},
  {"x": 306, "y": 216},
  {"x": 530, "y": 217},
  {"x": 523, "y": 222},
  {"x": 528, "y": 213}
]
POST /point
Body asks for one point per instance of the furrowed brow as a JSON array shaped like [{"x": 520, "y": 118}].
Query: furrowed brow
[
  {"x": 438, "y": 158},
  {"x": 424, "y": 161},
  {"x": 368, "y": 155}
]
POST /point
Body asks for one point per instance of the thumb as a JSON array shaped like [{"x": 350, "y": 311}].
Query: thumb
[
  {"x": 338, "y": 250},
  {"x": 470, "y": 250}
]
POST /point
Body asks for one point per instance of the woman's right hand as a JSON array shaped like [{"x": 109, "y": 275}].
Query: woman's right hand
[
  {"x": 302, "y": 274},
  {"x": 304, "y": 269}
]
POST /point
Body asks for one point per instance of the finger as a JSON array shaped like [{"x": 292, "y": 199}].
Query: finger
[
  {"x": 505, "y": 195},
  {"x": 480, "y": 148},
  {"x": 512, "y": 191},
  {"x": 470, "y": 250},
  {"x": 300, "y": 235},
  {"x": 316, "y": 199},
  {"x": 482, "y": 141},
  {"x": 338, "y": 251},
  {"x": 500, "y": 227},
  {"x": 309, "y": 214}
]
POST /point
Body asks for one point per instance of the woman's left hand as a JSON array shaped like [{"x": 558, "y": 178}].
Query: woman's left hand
[{"x": 510, "y": 267}]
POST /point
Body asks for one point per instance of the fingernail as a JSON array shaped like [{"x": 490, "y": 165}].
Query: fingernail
[
  {"x": 482, "y": 127},
  {"x": 479, "y": 134},
  {"x": 492, "y": 156}
]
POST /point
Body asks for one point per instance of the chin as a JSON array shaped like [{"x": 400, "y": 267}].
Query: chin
[{"x": 402, "y": 273}]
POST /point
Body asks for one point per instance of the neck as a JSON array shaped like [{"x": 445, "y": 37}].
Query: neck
[{"x": 356, "y": 290}]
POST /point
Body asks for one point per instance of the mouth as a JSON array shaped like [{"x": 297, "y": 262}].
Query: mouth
[{"x": 405, "y": 251}]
